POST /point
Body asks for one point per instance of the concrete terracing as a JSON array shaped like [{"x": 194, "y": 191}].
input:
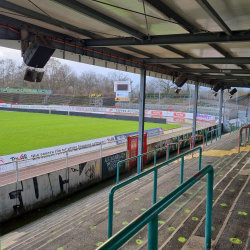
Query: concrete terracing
[{"x": 83, "y": 224}]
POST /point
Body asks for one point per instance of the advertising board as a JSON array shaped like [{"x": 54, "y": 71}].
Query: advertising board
[
  {"x": 121, "y": 139},
  {"x": 201, "y": 117},
  {"x": 45, "y": 153}
]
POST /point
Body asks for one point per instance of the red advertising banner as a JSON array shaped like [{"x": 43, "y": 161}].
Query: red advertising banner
[
  {"x": 13, "y": 103},
  {"x": 170, "y": 109},
  {"x": 154, "y": 112},
  {"x": 180, "y": 114},
  {"x": 133, "y": 150},
  {"x": 179, "y": 120}
]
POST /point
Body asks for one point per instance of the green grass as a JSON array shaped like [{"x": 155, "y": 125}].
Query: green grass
[{"x": 20, "y": 132}]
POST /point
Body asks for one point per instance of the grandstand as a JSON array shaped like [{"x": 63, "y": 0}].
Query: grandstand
[
  {"x": 28, "y": 99},
  {"x": 52, "y": 99},
  {"x": 166, "y": 193}
]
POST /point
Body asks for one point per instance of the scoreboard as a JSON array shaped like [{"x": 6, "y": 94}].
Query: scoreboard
[{"x": 122, "y": 90}]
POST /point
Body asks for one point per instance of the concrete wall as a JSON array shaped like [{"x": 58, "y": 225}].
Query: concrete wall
[{"x": 26, "y": 195}]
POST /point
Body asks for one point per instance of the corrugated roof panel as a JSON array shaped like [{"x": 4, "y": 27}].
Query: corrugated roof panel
[
  {"x": 158, "y": 51},
  {"x": 137, "y": 21},
  {"x": 192, "y": 12},
  {"x": 46, "y": 25},
  {"x": 59, "y": 12},
  {"x": 198, "y": 50},
  {"x": 235, "y": 13},
  {"x": 226, "y": 66},
  {"x": 129, "y": 52},
  {"x": 195, "y": 66},
  {"x": 237, "y": 49}
]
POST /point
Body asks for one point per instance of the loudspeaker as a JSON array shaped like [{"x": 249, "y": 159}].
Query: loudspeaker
[
  {"x": 30, "y": 75},
  {"x": 33, "y": 75},
  {"x": 38, "y": 52},
  {"x": 217, "y": 87},
  {"x": 39, "y": 76},
  {"x": 181, "y": 80},
  {"x": 233, "y": 91}
]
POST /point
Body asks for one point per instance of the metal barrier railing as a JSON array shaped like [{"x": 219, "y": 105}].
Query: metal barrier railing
[
  {"x": 247, "y": 128},
  {"x": 138, "y": 157},
  {"x": 212, "y": 131},
  {"x": 170, "y": 144},
  {"x": 234, "y": 126},
  {"x": 154, "y": 169},
  {"x": 196, "y": 136},
  {"x": 150, "y": 216}
]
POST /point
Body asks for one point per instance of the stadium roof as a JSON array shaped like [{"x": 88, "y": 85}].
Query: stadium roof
[{"x": 208, "y": 40}]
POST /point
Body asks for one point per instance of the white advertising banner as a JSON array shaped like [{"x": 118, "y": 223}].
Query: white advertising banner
[
  {"x": 101, "y": 110},
  {"x": 44, "y": 154}
]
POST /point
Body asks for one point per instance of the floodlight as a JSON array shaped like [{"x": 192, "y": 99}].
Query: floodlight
[{"x": 215, "y": 93}]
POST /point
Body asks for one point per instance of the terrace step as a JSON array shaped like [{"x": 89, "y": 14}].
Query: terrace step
[
  {"x": 191, "y": 234},
  {"x": 174, "y": 221},
  {"x": 62, "y": 228}
]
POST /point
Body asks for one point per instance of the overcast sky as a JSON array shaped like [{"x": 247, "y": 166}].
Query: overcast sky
[{"x": 6, "y": 53}]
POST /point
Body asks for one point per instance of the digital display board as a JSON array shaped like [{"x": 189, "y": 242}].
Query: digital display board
[{"x": 122, "y": 87}]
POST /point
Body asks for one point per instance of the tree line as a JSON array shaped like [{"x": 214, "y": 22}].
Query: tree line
[{"x": 62, "y": 78}]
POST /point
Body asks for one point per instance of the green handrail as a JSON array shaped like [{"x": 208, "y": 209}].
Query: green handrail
[
  {"x": 138, "y": 163},
  {"x": 235, "y": 126},
  {"x": 150, "y": 216},
  {"x": 154, "y": 169},
  {"x": 217, "y": 129}
]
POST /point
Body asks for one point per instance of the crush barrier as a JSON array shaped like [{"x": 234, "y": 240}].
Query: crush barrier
[
  {"x": 155, "y": 170},
  {"x": 246, "y": 138},
  {"x": 216, "y": 133},
  {"x": 150, "y": 216}
]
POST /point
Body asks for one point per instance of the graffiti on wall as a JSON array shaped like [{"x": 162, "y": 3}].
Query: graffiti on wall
[
  {"x": 109, "y": 164},
  {"x": 17, "y": 195},
  {"x": 52, "y": 184}
]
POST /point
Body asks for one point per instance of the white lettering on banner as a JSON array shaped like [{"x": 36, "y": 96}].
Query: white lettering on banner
[{"x": 45, "y": 153}]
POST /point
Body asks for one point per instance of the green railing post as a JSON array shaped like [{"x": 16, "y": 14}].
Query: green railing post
[
  {"x": 211, "y": 136},
  {"x": 206, "y": 139},
  {"x": 200, "y": 159},
  {"x": 209, "y": 209},
  {"x": 182, "y": 169},
  {"x": 248, "y": 134},
  {"x": 110, "y": 215},
  {"x": 138, "y": 165},
  {"x": 117, "y": 173},
  {"x": 216, "y": 133},
  {"x": 153, "y": 233},
  {"x": 220, "y": 131},
  {"x": 168, "y": 154},
  {"x": 155, "y": 181},
  {"x": 241, "y": 137}
]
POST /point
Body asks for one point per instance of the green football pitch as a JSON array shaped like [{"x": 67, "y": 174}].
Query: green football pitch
[{"x": 20, "y": 132}]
